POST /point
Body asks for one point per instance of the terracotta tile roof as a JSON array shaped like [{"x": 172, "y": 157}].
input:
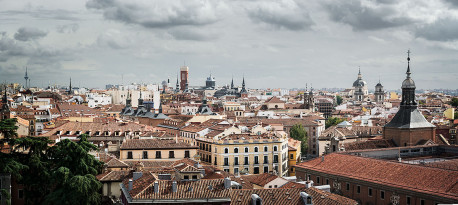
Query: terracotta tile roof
[
  {"x": 200, "y": 190},
  {"x": 139, "y": 185},
  {"x": 259, "y": 179},
  {"x": 428, "y": 180},
  {"x": 368, "y": 144},
  {"x": 291, "y": 148},
  {"x": 116, "y": 163},
  {"x": 292, "y": 185},
  {"x": 115, "y": 175},
  {"x": 155, "y": 144},
  {"x": 84, "y": 127},
  {"x": 72, "y": 110},
  {"x": 287, "y": 197},
  {"x": 151, "y": 164},
  {"x": 274, "y": 100}
]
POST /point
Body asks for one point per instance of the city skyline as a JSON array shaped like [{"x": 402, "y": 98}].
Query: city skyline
[{"x": 273, "y": 44}]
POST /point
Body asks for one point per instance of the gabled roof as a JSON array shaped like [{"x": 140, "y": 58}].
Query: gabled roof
[
  {"x": 274, "y": 100},
  {"x": 259, "y": 179},
  {"x": 428, "y": 180},
  {"x": 155, "y": 144}
]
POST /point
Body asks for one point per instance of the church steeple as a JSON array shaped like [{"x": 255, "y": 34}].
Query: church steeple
[
  {"x": 26, "y": 77},
  {"x": 360, "y": 76},
  {"x": 178, "y": 84},
  {"x": 70, "y": 86},
  {"x": 408, "y": 88},
  {"x": 232, "y": 83},
  {"x": 243, "y": 86}
]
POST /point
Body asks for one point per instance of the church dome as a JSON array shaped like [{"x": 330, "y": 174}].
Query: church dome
[
  {"x": 408, "y": 83},
  {"x": 378, "y": 84},
  {"x": 359, "y": 83}
]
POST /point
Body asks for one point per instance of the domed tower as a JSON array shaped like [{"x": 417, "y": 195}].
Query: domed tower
[
  {"x": 409, "y": 127},
  {"x": 360, "y": 88},
  {"x": 379, "y": 92}
]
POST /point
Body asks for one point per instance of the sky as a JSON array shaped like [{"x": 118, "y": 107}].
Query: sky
[{"x": 273, "y": 44}]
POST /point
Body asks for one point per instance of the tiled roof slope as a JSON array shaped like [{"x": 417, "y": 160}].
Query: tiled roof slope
[
  {"x": 417, "y": 178},
  {"x": 154, "y": 144},
  {"x": 287, "y": 197},
  {"x": 259, "y": 179}
]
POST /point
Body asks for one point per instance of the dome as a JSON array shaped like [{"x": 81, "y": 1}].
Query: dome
[
  {"x": 379, "y": 84},
  {"x": 408, "y": 83},
  {"x": 359, "y": 83}
]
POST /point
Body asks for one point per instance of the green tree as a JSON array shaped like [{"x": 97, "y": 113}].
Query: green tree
[
  {"x": 454, "y": 102},
  {"x": 333, "y": 121},
  {"x": 61, "y": 174},
  {"x": 299, "y": 133},
  {"x": 339, "y": 99}
]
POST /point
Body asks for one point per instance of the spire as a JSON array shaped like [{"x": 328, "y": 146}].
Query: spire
[
  {"x": 232, "y": 82},
  {"x": 360, "y": 76},
  {"x": 408, "y": 64},
  {"x": 26, "y": 77},
  {"x": 70, "y": 86},
  {"x": 243, "y": 82}
]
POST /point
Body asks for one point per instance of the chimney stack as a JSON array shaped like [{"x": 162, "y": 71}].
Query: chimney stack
[
  {"x": 309, "y": 184},
  {"x": 131, "y": 185},
  {"x": 137, "y": 175},
  {"x": 156, "y": 187},
  {"x": 256, "y": 199},
  {"x": 174, "y": 186},
  {"x": 227, "y": 183}
]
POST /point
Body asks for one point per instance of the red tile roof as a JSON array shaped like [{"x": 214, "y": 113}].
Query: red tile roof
[
  {"x": 155, "y": 144},
  {"x": 259, "y": 179},
  {"x": 428, "y": 180}
]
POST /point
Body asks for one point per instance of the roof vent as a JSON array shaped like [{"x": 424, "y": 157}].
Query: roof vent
[
  {"x": 131, "y": 185},
  {"x": 156, "y": 187},
  {"x": 174, "y": 186},
  {"x": 210, "y": 187},
  {"x": 256, "y": 200},
  {"x": 190, "y": 188},
  {"x": 306, "y": 198},
  {"x": 227, "y": 183}
]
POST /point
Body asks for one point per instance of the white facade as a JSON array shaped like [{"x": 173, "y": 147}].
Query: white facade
[{"x": 95, "y": 99}]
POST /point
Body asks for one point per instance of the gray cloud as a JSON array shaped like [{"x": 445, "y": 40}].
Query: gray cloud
[
  {"x": 444, "y": 29},
  {"x": 362, "y": 17},
  {"x": 39, "y": 13},
  {"x": 113, "y": 39},
  {"x": 452, "y": 2},
  {"x": 29, "y": 33},
  {"x": 285, "y": 14},
  {"x": 158, "y": 14},
  {"x": 191, "y": 34},
  {"x": 68, "y": 28}
]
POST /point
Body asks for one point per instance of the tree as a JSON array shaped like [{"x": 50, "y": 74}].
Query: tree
[
  {"x": 298, "y": 132},
  {"x": 333, "y": 121},
  {"x": 61, "y": 174},
  {"x": 339, "y": 99},
  {"x": 454, "y": 102}
]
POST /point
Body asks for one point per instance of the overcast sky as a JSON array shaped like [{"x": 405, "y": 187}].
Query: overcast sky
[{"x": 282, "y": 43}]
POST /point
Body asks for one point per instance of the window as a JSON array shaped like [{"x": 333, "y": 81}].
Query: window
[
  {"x": 171, "y": 154},
  {"x": 256, "y": 160},
  {"x": 129, "y": 155},
  {"x": 309, "y": 177},
  {"x": 236, "y": 170},
  {"x": 186, "y": 177},
  {"x": 422, "y": 202},
  {"x": 348, "y": 187},
  {"x": 236, "y": 150},
  {"x": 186, "y": 154},
  {"x": 145, "y": 154},
  {"x": 246, "y": 161},
  {"x": 236, "y": 160},
  {"x": 369, "y": 191},
  {"x": 358, "y": 189},
  {"x": 256, "y": 149},
  {"x": 266, "y": 149},
  {"x": 275, "y": 148},
  {"x": 276, "y": 158},
  {"x": 327, "y": 181},
  {"x": 382, "y": 194},
  {"x": 266, "y": 159},
  {"x": 292, "y": 169},
  {"x": 291, "y": 156},
  {"x": 158, "y": 154},
  {"x": 266, "y": 169},
  {"x": 20, "y": 193},
  {"x": 246, "y": 149},
  {"x": 256, "y": 170},
  {"x": 216, "y": 161},
  {"x": 194, "y": 176},
  {"x": 408, "y": 201},
  {"x": 317, "y": 180},
  {"x": 226, "y": 161},
  {"x": 226, "y": 170},
  {"x": 226, "y": 150}
]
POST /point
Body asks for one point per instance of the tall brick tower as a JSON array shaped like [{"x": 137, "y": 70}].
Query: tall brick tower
[{"x": 184, "y": 71}]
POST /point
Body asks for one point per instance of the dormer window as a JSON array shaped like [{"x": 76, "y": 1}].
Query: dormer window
[
  {"x": 107, "y": 133},
  {"x": 68, "y": 132},
  {"x": 97, "y": 133},
  {"x": 117, "y": 133},
  {"x": 88, "y": 132},
  {"x": 78, "y": 132}
]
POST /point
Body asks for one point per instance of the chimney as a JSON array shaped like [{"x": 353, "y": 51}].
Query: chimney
[
  {"x": 137, "y": 175},
  {"x": 322, "y": 158},
  {"x": 156, "y": 187},
  {"x": 306, "y": 198},
  {"x": 256, "y": 200},
  {"x": 309, "y": 184},
  {"x": 131, "y": 185},
  {"x": 227, "y": 183},
  {"x": 174, "y": 186}
]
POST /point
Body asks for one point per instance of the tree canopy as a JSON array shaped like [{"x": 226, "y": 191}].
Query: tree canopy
[
  {"x": 333, "y": 121},
  {"x": 339, "y": 99},
  {"x": 454, "y": 102},
  {"x": 299, "y": 133},
  {"x": 59, "y": 174}
]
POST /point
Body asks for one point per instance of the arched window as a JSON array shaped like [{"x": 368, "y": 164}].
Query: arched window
[
  {"x": 226, "y": 150},
  {"x": 256, "y": 149},
  {"x": 275, "y": 148},
  {"x": 236, "y": 150},
  {"x": 246, "y": 149}
]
